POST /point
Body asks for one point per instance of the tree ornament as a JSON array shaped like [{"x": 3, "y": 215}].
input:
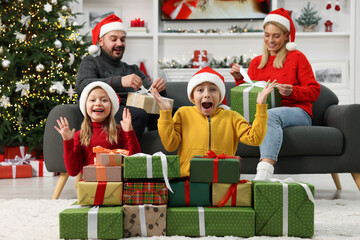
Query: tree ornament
[
  {"x": 58, "y": 43},
  {"x": 64, "y": 8},
  {"x": 62, "y": 20},
  {"x": 5, "y": 63},
  {"x": 59, "y": 66},
  {"x": 5, "y": 102},
  {"x": 40, "y": 67},
  {"x": 337, "y": 5},
  {"x": 48, "y": 7},
  {"x": 57, "y": 86},
  {"x": 1, "y": 50},
  {"x": 328, "y": 5},
  {"x": 75, "y": 24},
  {"x": 72, "y": 59},
  {"x": 45, "y": 20},
  {"x": 54, "y": 2},
  {"x": 25, "y": 20},
  {"x": 19, "y": 36},
  {"x": 2, "y": 26},
  {"x": 24, "y": 88},
  {"x": 71, "y": 92}
]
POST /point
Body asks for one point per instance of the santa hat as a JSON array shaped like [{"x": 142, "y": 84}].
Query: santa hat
[
  {"x": 114, "y": 98},
  {"x": 207, "y": 74},
  {"x": 110, "y": 23},
  {"x": 282, "y": 16}
]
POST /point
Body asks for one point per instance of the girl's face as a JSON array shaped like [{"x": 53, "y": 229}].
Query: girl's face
[
  {"x": 98, "y": 105},
  {"x": 274, "y": 38},
  {"x": 206, "y": 97}
]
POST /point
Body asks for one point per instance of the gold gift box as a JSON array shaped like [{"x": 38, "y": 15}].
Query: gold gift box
[
  {"x": 87, "y": 192},
  {"x": 146, "y": 102},
  {"x": 243, "y": 194}
]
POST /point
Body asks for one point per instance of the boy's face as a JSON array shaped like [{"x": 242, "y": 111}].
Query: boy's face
[
  {"x": 98, "y": 105},
  {"x": 206, "y": 97}
]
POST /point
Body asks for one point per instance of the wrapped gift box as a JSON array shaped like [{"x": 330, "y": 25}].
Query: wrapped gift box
[
  {"x": 109, "y": 159},
  {"x": 139, "y": 167},
  {"x": 178, "y": 9},
  {"x": 139, "y": 193},
  {"x": 88, "y": 222},
  {"x": 15, "y": 171},
  {"x": 144, "y": 220},
  {"x": 146, "y": 102},
  {"x": 92, "y": 173},
  {"x": 244, "y": 96},
  {"x": 188, "y": 194},
  {"x": 99, "y": 193},
  {"x": 270, "y": 201},
  {"x": 198, "y": 221},
  {"x": 222, "y": 170},
  {"x": 20, "y": 151},
  {"x": 234, "y": 195},
  {"x": 2, "y": 157},
  {"x": 39, "y": 169},
  {"x": 200, "y": 59}
]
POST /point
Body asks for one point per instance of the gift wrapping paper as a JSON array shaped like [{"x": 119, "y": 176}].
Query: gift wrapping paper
[
  {"x": 99, "y": 193},
  {"x": 199, "y": 221},
  {"x": 88, "y": 222},
  {"x": 108, "y": 159},
  {"x": 146, "y": 102},
  {"x": 188, "y": 194},
  {"x": 39, "y": 169},
  {"x": 271, "y": 202},
  {"x": 144, "y": 220},
  {"x": 13, "y": 151},
  {"x": 240, "y": 197},
  {"x": 138, "y": 193},
  {"x": 16, "y": 171},
  {"x": 179, "y": 9},
  {"x": 92, "y": 173}
]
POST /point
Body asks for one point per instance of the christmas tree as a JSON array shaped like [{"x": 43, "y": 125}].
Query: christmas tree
[
  {"x": 308, "y": 16},
  {"x": 40, "y": 52}
]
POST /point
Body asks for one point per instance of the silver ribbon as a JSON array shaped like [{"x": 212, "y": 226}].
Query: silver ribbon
[
  {"x": 24, "y": 88},
  {"x": 142, "y": 220},
  {"x": 286, "y": 199},
  {"x": 93, "y": 222},
  {"x": 202, "y": 231}
]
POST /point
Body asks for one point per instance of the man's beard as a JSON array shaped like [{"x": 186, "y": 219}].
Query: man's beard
[{"x": 117, "y": 49}]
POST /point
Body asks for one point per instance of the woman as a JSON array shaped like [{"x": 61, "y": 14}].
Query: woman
[{"x": 296, "y": 83}]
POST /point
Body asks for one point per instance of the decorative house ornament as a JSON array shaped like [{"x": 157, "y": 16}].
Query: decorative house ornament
[{"x": 328, "y": 26}]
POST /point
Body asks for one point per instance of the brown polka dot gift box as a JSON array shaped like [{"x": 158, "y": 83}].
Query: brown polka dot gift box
[
  {"x": 284, "y": 208},
  {"x": 144, "y": 220}
]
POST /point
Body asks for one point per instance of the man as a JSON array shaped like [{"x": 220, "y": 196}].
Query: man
[{"x": 108, "y": 67}]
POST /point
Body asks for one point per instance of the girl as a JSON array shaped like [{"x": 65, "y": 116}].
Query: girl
[{"x": 98, "y": 103}]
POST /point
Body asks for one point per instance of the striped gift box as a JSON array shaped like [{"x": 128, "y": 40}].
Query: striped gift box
[{"x": 138, "y": 193}]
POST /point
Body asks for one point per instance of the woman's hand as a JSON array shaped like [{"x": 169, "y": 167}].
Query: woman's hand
[
  {"x": 285, "y": 89},
  {"x": 64, "y": 129},
  {"x": 235, "y": 72},
  {"x": 126, "y": 122},
  {"x": 262, "y": 96},
  {"x": 164, "y": 105}
]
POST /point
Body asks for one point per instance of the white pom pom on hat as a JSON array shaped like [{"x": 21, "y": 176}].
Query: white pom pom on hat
[
  {"x": 282, "y": 16},
  {"x": 110, "y": 23},
  {"x": 114, "y": 98}
]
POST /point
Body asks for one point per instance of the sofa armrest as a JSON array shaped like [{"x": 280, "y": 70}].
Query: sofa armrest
[
  {"x": 346, "y": 118},
  {"x": 53, "y": 143}
]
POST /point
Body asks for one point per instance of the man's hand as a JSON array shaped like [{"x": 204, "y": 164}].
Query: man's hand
[
  {"x": 285, "y": 89},
  {"x": 262, "y": 96},
  {"x": 159, "y": 84},
  {"x": 64, "y": 129},
  {"x": 235, "y": 71},
  {"x": 164, "y": 104},
  {"x": 132, "y": 80},
  {"x": 126, "y": 122}
]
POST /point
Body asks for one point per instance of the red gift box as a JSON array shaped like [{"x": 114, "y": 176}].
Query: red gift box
[
  {"x": 16, "y": 171},
  {"x": 200, "y": 59},
  {"x": 20, "y": 151},
  {"x": 179, "y": 9},
  {"x": 39, "y": 169},
  {"x": 2, "y": 157}
]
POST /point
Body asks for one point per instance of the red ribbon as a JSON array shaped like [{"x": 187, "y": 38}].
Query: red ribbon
[
  {"x": 211, "y": 154},
  {"x": 100, "y": 193},
  {"x": 41, "y": 168},
  {"x": 232, "y": 192},
  {"x": 187, "y": 193}
]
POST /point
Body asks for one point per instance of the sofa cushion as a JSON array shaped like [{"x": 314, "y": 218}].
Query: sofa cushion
[{"x": 304, "y": 141}]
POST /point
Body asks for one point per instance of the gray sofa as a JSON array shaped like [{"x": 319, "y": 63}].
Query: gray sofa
[{"x": 331, "y": 145}]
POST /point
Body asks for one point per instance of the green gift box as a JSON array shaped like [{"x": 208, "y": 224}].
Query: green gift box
[
  {"x": 222, "y": 170},
  {"x": 151, "y": 167},
  {"x": 199, "y": 221},
  {"x": 188, "y": 194},
  {"x": 244, "y": 96},
  {"x": 83, "y": 222},
  {"x": 284, "y": 208}
]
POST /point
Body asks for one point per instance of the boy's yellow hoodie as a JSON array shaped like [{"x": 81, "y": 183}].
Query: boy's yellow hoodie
[{"x": 197, "y": 134}]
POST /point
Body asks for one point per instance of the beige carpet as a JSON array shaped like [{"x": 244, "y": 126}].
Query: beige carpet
[{"x": 24, "y": 219}]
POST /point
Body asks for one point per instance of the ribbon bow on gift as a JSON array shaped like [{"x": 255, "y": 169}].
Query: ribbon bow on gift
[
  {"x": 24, "y": 159},
  {"x": 211, "y": 154},
  {"x": 99, "y": 149},
  {"x": 24, "y": 88},
  {"x": 191, "y": 4}
]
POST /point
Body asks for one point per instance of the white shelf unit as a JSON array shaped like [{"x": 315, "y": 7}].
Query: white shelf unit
[{"x": 318, "y": 46}]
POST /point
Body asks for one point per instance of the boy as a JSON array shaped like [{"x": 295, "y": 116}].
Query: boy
[{"x": 205, "y": 126}]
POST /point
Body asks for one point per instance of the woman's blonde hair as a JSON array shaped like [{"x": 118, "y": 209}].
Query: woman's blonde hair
[
  {"x": 281, "y": 55},
  {"x": 109, "y": 127}
]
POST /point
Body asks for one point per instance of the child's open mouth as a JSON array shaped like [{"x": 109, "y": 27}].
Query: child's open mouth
[
  {"x": 98, "y": 111},
  {"x": 207, "y": 105}
]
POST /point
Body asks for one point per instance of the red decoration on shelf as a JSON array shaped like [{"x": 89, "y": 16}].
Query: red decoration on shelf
[
  {"x": 328, "y": 26},
  {"x": 137, "y": 22},
  {"x": 200, "y": 59},
  {"x": 143, "y": 69}
]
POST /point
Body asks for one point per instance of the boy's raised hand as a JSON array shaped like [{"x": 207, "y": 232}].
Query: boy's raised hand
[
  {"x": 64, "y": 129},
  {"x": 164, "y": 105},
  {"x": 126, "y": 122},
  {"x": 262, "y": 96}
]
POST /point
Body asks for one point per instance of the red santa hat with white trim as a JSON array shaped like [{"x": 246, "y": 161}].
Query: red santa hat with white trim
[
  {"x": 207, "y": 74},
  {"x": 282, "y": 16},
  {"x": 110, "y": 23}
]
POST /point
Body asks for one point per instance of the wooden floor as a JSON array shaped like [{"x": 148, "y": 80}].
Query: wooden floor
[{"x": 43, "y": 188}]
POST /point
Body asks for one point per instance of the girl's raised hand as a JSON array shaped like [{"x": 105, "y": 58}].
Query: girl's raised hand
[
  {"x": 64, "y": 129},
  {"x": 262, "y": 96},
  {"x": 164, "y": 105},
  {"x": 126, "y": 122}
]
